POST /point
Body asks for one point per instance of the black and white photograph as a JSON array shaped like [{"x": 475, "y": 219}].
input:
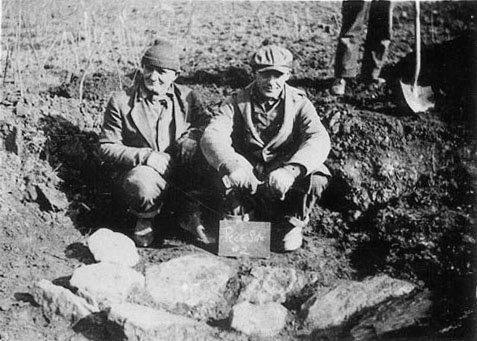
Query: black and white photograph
[{"x": 238, "y": 170}]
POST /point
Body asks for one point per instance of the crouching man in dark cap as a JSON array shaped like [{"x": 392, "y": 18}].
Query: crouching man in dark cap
[
  {"x": 150, "y": 134},
  {"x": 268, "y": 145}
]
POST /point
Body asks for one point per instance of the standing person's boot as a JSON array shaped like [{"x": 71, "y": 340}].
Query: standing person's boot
[
  {"x": 375, "y": 83},
  {"x": 339, "y": 86}
]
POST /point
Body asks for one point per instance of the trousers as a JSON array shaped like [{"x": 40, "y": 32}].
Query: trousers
[
  {"x": 355, "y": 14},
  {"x": 183, "y": 192},
  {"x": 142, "y": 190}
]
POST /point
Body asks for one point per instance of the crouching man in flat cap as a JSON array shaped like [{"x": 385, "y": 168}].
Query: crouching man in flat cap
[
  {"x": 268, "y": 145},
  {"x": 149, "y": 135}
]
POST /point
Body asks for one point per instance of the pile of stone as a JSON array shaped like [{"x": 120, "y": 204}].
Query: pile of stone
[{"x": 150, "y": 305}]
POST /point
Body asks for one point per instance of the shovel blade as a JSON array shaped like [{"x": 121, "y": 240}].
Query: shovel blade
[{"x": 418, "y": 98}]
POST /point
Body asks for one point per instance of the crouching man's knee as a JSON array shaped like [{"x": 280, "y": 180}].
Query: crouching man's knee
[{"x": 142, "y": 189}]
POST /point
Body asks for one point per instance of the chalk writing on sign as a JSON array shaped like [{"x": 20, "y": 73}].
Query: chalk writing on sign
[{"x": 239, "y": 238}]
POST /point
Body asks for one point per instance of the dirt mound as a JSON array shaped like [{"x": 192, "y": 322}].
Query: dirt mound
[
  {"x": 93, "y": 87},
  {"x": 450, "y": 68}
]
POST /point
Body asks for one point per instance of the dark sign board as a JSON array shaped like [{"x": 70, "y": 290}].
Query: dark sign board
[{"x": 239, "y": 238}]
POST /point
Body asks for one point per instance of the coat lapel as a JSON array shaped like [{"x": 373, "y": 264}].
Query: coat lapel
[
  {"x": 287, "y": 126},
  {"x": 178, "y": 111},
  {"x": 245, "y": 107},
  {"x": 138, "y": 115}
]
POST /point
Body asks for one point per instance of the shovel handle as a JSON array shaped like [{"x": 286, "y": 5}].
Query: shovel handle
[{"x": 417, "y": 31}]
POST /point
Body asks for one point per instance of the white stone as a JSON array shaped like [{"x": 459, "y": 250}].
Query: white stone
[
  {"x": 262, "y": 320},
  {"x": 337, "y": 305},
  {"x": 113, "y": 247},
  {"x": 148, "y": 324},
  {"x": 57, "y": 300},
  {"x": 271, "y": 284},
  {"x": 192, "y": 280},
  {"x": 106, "y": 283}
]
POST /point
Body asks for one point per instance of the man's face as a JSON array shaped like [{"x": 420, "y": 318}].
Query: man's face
[
  {"x": 158, "y": 80},
  {"x": 270, "y": 83}
]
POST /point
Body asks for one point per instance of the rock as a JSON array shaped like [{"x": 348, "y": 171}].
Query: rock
[
  {"x": 192, "y": 280},
  {"x": 51, "y": 199},
  {"x": 22, "y": 109},
  {"x": 57, "y": 300},
  {"x": 394, "y": 316},
  {"x": 337, "y": 305},
  {"x": 262, "y": 320},
  {"x": 78, "y": 337},
  {"x": 271, "y": 284},
  {"x": 106, "y": 283},
  {"x": 113, "y": 247},
  {"x": 147, "y": 324}
]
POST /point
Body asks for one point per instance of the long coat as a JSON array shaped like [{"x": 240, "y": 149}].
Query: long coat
[
  {"x": 231, "y": 141},
  {"x": 126, "y": 137}
]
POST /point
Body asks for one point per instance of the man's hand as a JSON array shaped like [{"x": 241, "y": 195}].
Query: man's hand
[
  {"x": 280, "y": 181},
  {"x": 159, "y": 161},
  {"x": 187, "y": 149},
  {"x": 244, "y": 178}
]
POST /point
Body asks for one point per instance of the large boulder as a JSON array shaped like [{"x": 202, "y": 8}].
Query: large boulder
[
  {"x": 332, "y": 308},
  {"x": 113, "y": 247},
  {"x": 57, "y": 300},
  {"x": 395, "y": 317},
  {"x": 271, "y": 284},
  {"x": 262, "y": 320},
  {"x": 192, "y": 280},
  {"x": 106, "y": 283},
  {"x": 140, "y": 323}
]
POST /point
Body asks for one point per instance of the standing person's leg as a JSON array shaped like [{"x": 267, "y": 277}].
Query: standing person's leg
[
  {"x": 378, "y": 39},
  {"x": 354, "y": 17}
]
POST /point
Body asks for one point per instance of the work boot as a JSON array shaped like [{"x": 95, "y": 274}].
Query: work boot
[
  {"x": 143, "y": 232},
  {"x": 375, "y": 83},
  {"x": 289, "y": 236},
  {"x": 199, "y": 232},
  {"x": 293, "y": 239},
  {"x": 339, "y": 86}
]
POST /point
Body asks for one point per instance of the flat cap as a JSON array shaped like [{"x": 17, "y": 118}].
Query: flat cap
[
  {"x": 163, "y": 54},
  {"x": 272, "y": 57}
]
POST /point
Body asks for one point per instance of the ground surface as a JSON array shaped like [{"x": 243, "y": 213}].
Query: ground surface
[{"x": 402, "y": 197}]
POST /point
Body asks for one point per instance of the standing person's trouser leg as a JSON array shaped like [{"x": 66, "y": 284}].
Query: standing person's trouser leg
[
  {"x": 354, "y": 17},
  {"x": 378, "y": 38}
]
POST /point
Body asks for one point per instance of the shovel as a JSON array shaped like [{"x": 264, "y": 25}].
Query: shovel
[{"x": 418, "y": 98}]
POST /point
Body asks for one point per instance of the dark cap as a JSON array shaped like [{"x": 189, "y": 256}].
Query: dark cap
[
  {"x": 272, "y": 57},
  {"x": 163, "y": 54}
]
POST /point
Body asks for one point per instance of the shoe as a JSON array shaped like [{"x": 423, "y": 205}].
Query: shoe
[
  {"x": 338, "y": 87},
  {"x": 143, "y": 232},
  {"x": 375, "y": 83},
  {"x": 293, "y": 239},
  {"x": 199, "y": 232},
  {"x": 289, "y": 237}
]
